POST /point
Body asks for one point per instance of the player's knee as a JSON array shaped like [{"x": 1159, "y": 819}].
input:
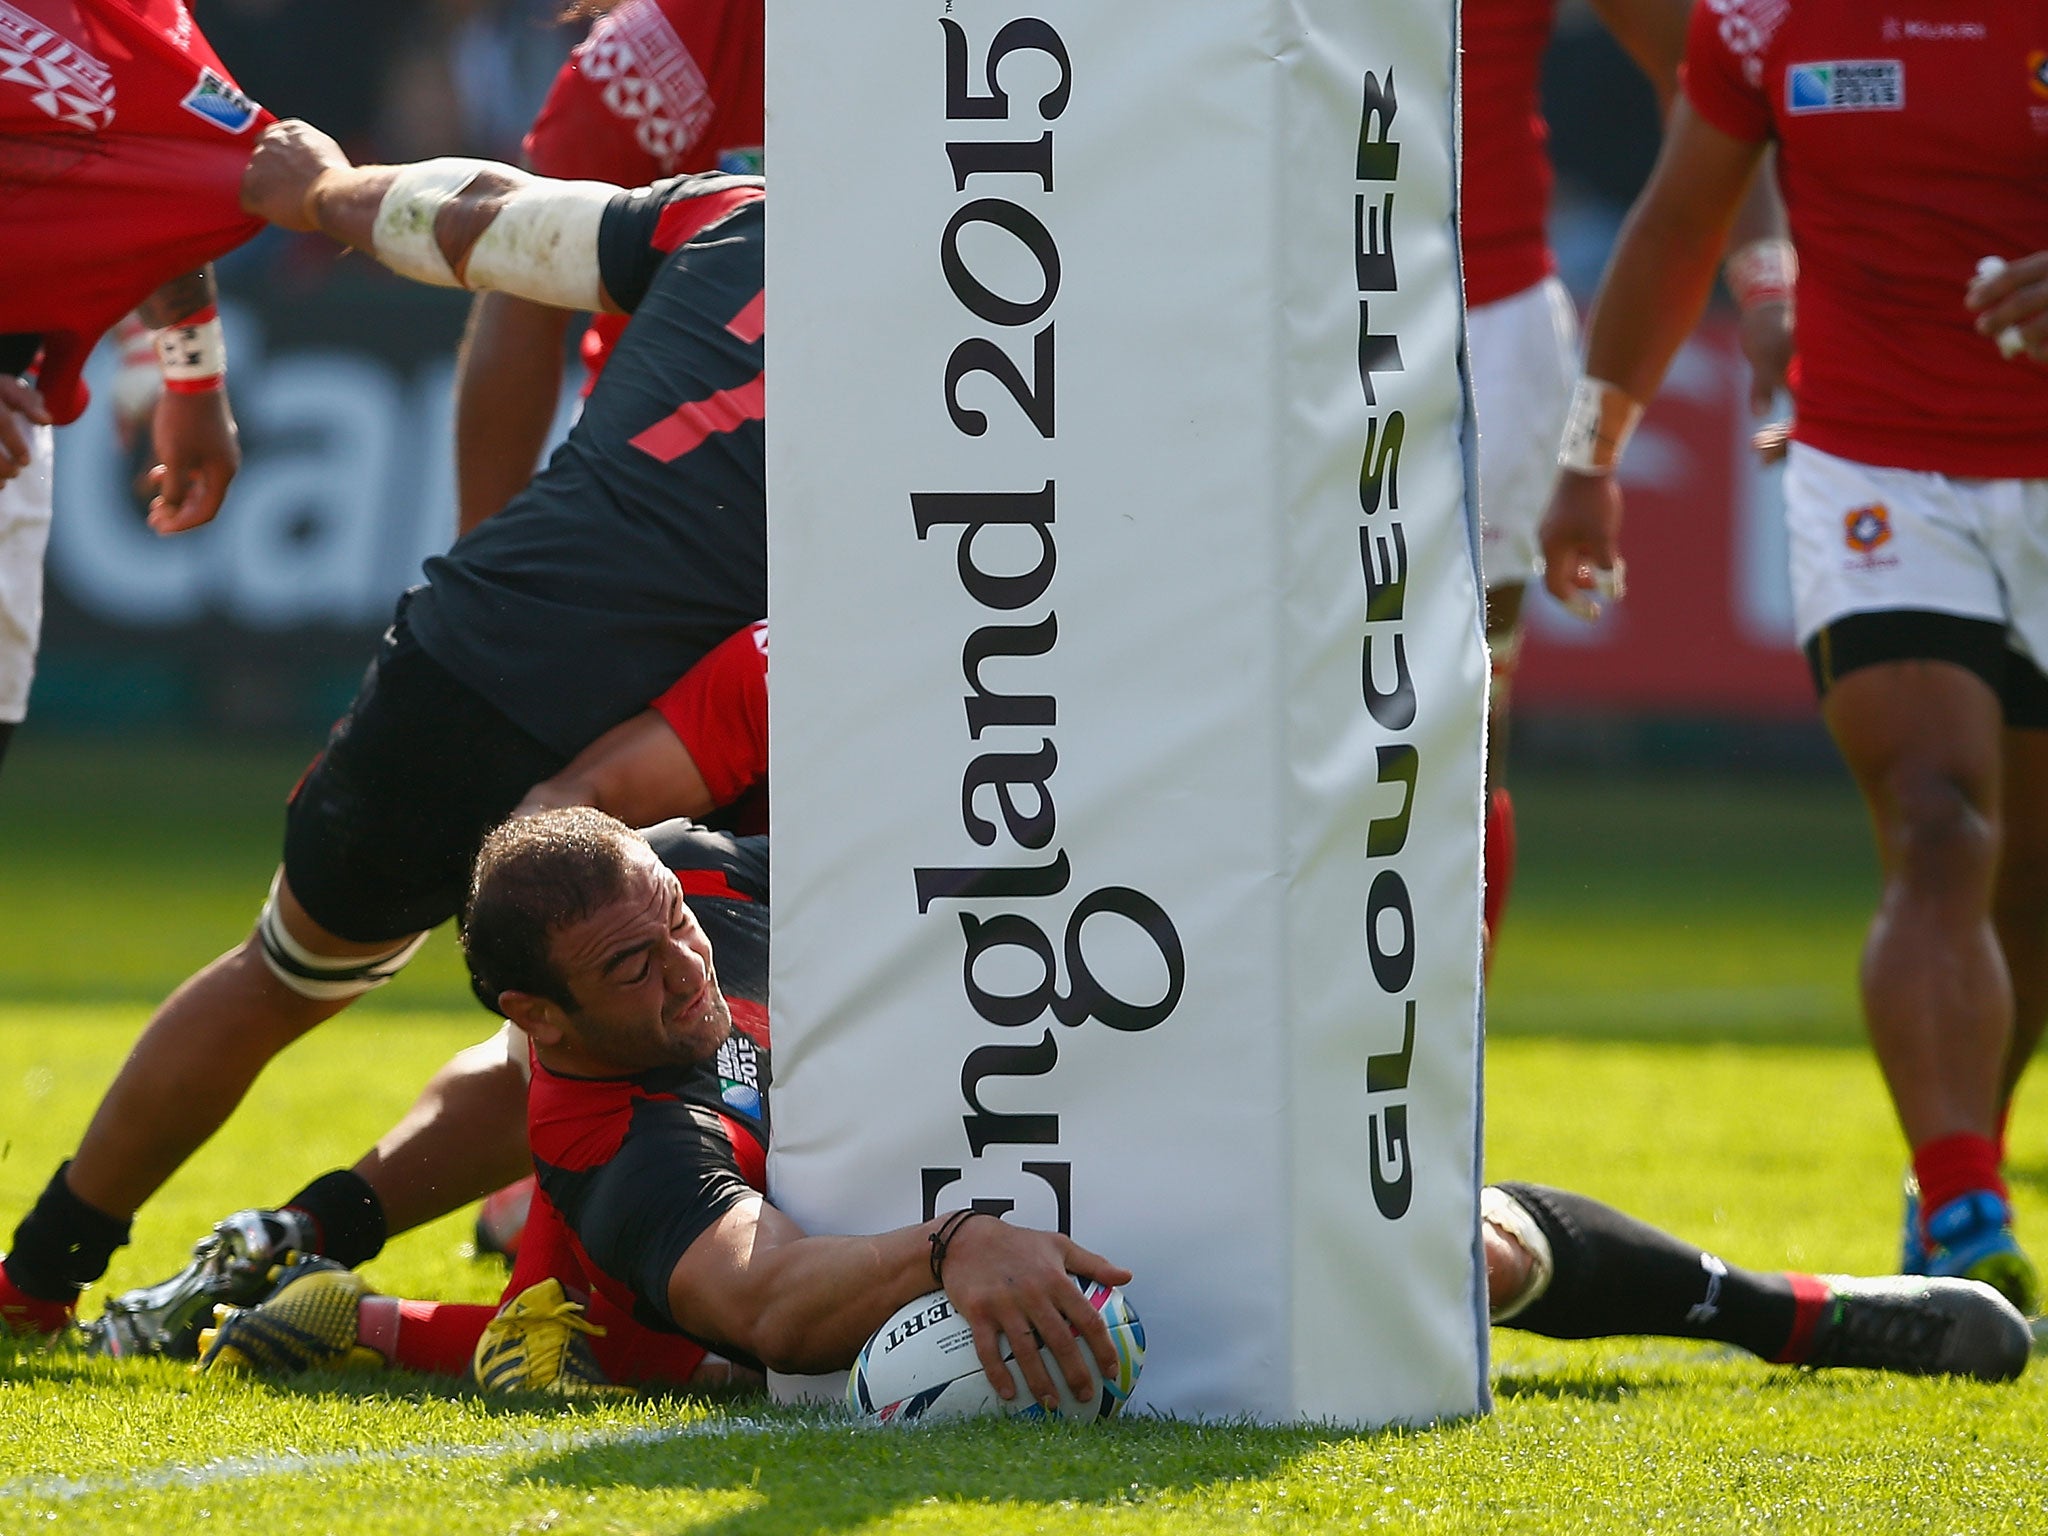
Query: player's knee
[
  {"x": 321, "y": 978},
  {"x": 1940, "y": 835}
]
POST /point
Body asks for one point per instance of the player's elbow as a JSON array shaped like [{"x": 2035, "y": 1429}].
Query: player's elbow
[
  {"x": 473, "y": 210},
  {"x": 791, "y": 1339}
]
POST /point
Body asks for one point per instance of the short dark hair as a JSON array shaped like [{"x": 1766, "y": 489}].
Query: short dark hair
[{"x": 533, "y": 876}]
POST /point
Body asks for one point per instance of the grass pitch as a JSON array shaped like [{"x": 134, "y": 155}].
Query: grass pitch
[{"x": 1674, "y": 1029}]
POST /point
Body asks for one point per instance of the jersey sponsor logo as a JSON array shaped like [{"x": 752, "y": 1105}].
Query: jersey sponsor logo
[
  {"x": 1934, "y": 31},
  {"x": 648, "y": 78},
  {"x": 2037, "y": 73},
  {"x": 61, "y": 78},
  {"x": 749, "y": 161},
  {"x": 1846, "y": 85},
  {"x": 219, "y": 103},
  {"x": 1867, "y": 529}
]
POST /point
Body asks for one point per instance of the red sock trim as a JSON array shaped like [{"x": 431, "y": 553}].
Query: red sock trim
[
  {"x": 439, "y": 1336},
  {"x": 23, "y": 1313},
  {"x": 1810, "y": 1298},
  {"x": 1950, "y": 1166}
]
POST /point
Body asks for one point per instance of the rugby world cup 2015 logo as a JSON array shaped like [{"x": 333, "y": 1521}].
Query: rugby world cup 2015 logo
[
  {"x": 1867, "y": 529},
  {"x": 219, "y": 103},
  {"x": 1846, "y": 85},
  {"x": 2037, "y": 73}
]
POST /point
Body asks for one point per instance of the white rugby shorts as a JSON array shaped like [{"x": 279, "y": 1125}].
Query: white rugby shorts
[
  {"x": 1866, "y": 539},
  {"x": 1525, "y": 358},
  {"x": 24, "y": 533}
]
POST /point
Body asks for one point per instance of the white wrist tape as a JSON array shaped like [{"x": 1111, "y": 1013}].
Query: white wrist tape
[
  {"x": 542, "y": 245},
  {"x": 1762, "y": 272},
  {"x": 403, "y": 236},
  {"x": 1598, "y": 427},
  {"x": 193, "y": 354},
  {"x": 2010, "y": 342}
]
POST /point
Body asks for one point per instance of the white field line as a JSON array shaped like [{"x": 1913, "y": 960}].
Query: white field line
[{"x": 280, "y": 1464}]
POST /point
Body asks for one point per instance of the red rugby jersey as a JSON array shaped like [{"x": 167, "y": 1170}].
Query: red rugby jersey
[
  {"x": 1506, "y": 193},
  {"x": 122, "y": 143},
  {"x": 658, "y": 88},
  {"x": 1912, "y": 141}
]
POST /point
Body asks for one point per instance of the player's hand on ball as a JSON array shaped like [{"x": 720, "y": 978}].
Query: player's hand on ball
[
  {"x": 2010, "y": 302},
  {"x": 1011, "y": 1283},
  {"x": 196, "y": 442},
  {"x": 19, "y": 397},
  {"x": 278, "y": 182},
  {"x": 1581, "y": 537}
]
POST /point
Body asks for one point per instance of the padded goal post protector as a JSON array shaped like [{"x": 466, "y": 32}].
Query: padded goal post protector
[{"x": 1129, "y": 682}]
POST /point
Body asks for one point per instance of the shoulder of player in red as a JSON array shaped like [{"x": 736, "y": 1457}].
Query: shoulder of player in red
[
  {"x": 1722, "y": 75},
  {"x": 658, "y": 87},
  {"x": 122, "y": 144},
  {"x": 719, "y": 712}
]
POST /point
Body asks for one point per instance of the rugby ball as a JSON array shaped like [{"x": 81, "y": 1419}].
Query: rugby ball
[{"x": 921, "y": 1366}]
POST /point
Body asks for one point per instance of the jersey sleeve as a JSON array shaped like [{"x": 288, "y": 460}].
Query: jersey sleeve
[
  {"x": 643, "y": 227},
  {"x": 719, "y": 712},
  {"x": 1723, "y": 71},
  {"x": 740, "y": 863},
  {"x": 578, "y": 136},
  {"x": 673, "y": 1177}
]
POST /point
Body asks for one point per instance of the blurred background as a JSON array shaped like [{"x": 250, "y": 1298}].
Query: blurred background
[{"x": 257, "y": 628}]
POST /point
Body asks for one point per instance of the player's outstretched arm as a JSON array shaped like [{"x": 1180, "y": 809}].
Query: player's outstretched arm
[
  {"x": 801, "y": 1304},
  {"x": 450, "y": 223},
  {"x": 1656, "y": 284},
  {"x": 192, "y": 425},
  {"x": 638, "y": 771}
]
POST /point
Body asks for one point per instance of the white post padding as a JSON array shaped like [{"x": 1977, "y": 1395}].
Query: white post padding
[{"x": 1129, "y": 683}]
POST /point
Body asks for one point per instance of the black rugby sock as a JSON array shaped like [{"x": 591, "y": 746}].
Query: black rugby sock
[
  {"x": 62, "y": 1244},
  {"x": 347, "y": 1215},
  {"x": 6, "y": 735},
  {"x": 1614, "y": 1275}
]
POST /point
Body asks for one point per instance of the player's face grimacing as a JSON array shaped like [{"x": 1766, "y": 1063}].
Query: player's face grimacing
[{"x": 641, "y": 972}]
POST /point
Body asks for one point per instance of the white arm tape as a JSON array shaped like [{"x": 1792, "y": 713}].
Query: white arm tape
[
  {"x": 542, "y": 246},
  {"x": 403, "y": 237}
]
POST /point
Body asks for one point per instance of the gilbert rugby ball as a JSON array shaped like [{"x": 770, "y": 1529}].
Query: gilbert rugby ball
[{"x": 921, "y": 1365}]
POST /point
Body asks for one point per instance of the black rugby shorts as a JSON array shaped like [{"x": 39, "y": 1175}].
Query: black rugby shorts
[{"x": 382, "y": 831}]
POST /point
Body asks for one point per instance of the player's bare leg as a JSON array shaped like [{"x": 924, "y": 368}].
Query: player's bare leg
[
  {"x": 192, "y": 1065},
  {"x": 463, "y": 1137},
  {"x": 200, "y": 1053},
  {"x": 1923, "y": 739},
  {"x": 2019, "y": 903}
]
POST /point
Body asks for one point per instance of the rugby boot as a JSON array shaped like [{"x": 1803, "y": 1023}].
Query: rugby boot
[
  {"x": 540, "y": 1342},
  {"x": 1971, "y": 1237},
  {"x": 26, "y": 1316},
  {"x": 1913, "y": 1254},
  {"x": 309, "y": 1323},
  {"x": 231, "y": 1266},
  {"x": 1920, "y": 1326}
]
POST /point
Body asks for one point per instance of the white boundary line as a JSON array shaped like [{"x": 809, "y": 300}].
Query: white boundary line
[{"x": 59, "y": 1489}]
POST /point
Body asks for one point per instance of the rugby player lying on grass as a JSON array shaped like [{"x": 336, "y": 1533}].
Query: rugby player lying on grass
[
  {"x": 640, "y": 547},
  {"x": 1557, "y": 1263}
]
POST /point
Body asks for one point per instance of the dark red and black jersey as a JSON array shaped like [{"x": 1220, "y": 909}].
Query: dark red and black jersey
[
  {"x": 638, "y": 1167},
  {"x": 644, "y": 541}
]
